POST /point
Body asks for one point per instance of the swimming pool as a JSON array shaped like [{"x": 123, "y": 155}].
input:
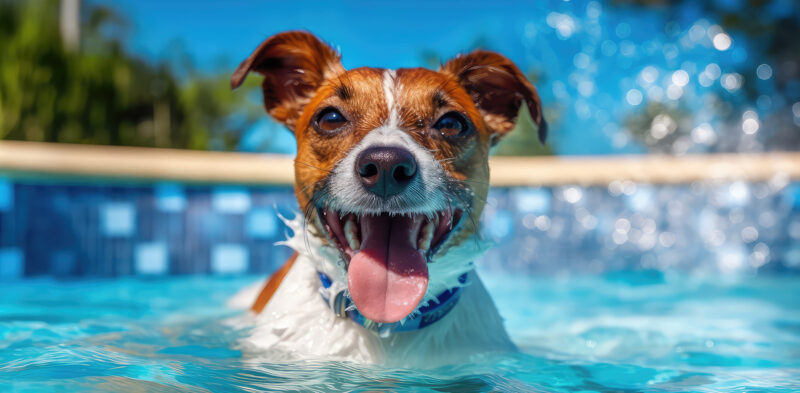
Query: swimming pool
[
  {"x": 625, "y": 287},
  {"x": 624, "y": 331}
]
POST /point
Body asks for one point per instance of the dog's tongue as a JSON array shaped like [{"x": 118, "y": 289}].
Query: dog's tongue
[{"x": 388, "y": 277}]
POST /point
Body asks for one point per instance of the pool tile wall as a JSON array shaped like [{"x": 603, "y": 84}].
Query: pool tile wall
[
  {"x": 113, "y": 230},
  {"x": 97, "y": 230}
]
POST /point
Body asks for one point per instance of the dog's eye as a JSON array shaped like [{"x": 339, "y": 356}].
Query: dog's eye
[
  {"x": 330, "y": 119},
  {"x": 452, "y": 124}
]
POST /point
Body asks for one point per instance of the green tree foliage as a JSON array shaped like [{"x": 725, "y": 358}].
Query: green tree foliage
[
  {"x": 102, "y": 95},
  {"x": 660, "y": 126},
  {"x": 776, "y": 39}
]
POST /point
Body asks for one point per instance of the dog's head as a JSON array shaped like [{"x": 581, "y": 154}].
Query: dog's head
[{"x": 392, "y": 165}]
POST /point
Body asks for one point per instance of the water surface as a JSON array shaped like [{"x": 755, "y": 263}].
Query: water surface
[{"x": 626, "y": 331}]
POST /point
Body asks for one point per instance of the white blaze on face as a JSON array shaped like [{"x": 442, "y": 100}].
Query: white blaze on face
[
  {"x": 423, "y": 195},
  {"x": 389, "y": 91}
]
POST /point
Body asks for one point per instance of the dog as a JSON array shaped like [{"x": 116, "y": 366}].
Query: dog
[{"x": 391, "y": 175}]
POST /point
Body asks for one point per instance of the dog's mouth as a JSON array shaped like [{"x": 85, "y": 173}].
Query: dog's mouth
[{"x": 387, "y": 256}]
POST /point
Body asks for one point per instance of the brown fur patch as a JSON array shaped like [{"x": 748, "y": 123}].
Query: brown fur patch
[
  {"x": 498, "y": 88},
  {"x": 294, "y": 64}
]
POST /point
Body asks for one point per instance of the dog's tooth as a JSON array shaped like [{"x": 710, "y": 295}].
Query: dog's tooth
[
  {"x": 424, "y": 242},
  {"x": 351, "y": 234}
]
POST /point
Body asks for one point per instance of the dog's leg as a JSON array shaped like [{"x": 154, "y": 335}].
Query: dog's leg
[{"x": 272, "y": 285}]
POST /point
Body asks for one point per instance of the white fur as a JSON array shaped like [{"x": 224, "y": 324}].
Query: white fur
[{"x": 297, "y": 324}]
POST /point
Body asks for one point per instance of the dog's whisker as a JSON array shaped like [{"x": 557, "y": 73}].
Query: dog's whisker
[
  {"x": 475, "y": 182},
  {"x": 312, "y": 166},
  {"x": 306, "y": 215}
]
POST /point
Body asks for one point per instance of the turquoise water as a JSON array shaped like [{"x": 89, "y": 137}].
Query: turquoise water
[{"x": 618, "y": 332}]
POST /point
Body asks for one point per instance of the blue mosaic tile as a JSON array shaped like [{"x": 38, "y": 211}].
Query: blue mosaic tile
[
  {"x": 12, "y": 263},
  {"x": 63, "y": 263},
  {"x": 117, "y": 219},
  {"x": 791, "y": 256},
  {"x": 232, "y": 200},
  {"x": 111, "y": 230},
  {"x": 642, "y": 199},
  {"x": 262, "y": 223},
  {"x": 6, "y": 195},
  {"x": 229, "y": 259},
  {"x": 791, "y": 196},
  {"x": 501, "y": 225},
  {"x": 151, "y": 259},
  {"x": 170, "y": 197},
  {"x": 533, "y": 200}
]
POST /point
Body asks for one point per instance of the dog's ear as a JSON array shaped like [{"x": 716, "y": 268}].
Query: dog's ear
[
  {"x": 294, "y": 65},
  {"x": 498, "y": 89}
]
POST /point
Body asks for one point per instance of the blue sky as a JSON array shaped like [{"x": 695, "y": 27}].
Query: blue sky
[
  {"x": 590, "y": 55},
  {"x": 380, "y": 33}
]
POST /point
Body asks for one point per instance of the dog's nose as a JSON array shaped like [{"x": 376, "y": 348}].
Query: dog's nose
[{"x": 386, "y": 170}]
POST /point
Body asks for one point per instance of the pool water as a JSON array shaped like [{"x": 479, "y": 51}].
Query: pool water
[{"x": 626, "y": 331}]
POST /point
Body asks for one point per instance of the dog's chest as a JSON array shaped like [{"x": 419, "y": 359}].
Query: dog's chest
[{"x": 298, "y": 324}]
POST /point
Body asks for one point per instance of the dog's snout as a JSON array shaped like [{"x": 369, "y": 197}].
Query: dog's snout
[{"x": 386, "y": 170}]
